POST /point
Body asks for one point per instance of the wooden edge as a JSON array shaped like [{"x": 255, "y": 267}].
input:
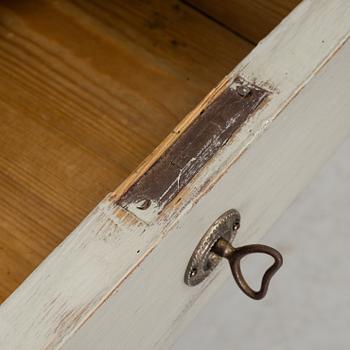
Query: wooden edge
[{"x": 252, "y": 20}]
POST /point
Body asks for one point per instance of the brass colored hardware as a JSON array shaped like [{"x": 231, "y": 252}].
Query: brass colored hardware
[{"x": 215, "y": 245}]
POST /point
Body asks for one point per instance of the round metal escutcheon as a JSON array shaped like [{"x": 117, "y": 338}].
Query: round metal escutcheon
[{"x": 203, "y": 260}]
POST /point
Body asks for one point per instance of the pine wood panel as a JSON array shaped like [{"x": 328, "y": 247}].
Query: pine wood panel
[
  {"x": 252, "y": 19},
  {"x": 87, "y": 90}
]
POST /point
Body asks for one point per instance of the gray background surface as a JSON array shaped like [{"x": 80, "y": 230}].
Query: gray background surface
[{"x": 308, "y": 304}]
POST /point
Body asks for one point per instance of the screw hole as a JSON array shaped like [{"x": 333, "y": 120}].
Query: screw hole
[
  {"x": 236, "y": 226},
  {"x": 243, "y": 90},
  {"x": 144, "y": 204}
]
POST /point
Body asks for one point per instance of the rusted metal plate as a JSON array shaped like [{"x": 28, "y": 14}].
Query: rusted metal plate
[{"x": 199, "y": 142}]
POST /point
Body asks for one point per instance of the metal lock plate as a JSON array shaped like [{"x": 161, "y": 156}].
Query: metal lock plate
[{"x": 203, "y": 260}]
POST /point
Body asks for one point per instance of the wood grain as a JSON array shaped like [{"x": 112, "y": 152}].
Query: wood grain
[
  {"x": 252, "y": 19},
  {"x": 87, "y": 90}
]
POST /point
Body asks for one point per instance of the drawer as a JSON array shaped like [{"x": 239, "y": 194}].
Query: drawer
[{"x": 174, "y": 113}]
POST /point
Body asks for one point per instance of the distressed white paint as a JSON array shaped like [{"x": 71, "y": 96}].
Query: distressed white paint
[
  {"x": 117, "y": 283},
  {"x": 154, "y": 302}
]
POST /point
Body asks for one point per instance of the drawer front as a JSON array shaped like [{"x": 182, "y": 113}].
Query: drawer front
[{"x": 118, "y": 280}]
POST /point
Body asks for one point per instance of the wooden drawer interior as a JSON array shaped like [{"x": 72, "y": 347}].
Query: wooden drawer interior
[{"x": 88, "y": 89}]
